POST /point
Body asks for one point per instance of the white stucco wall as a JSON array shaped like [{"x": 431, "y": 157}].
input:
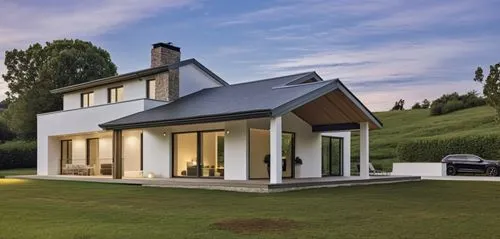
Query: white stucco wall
[
  {"x": 157, "y": 154},
  {"x": 77, "y": 121},
  {"x": 193, "y": 79},
  {"x": 419, "y": 169},
  {"x": 132, "y": 90},
  {"x": 307, "y": 143},
  {"x": 236, "y": 150},
  {"x": 307, "y": 146}
]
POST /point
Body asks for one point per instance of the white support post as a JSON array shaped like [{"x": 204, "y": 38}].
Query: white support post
[
  {"x": 276, "y": 157},
  {"x": 347, "y": 155},
  {"x": 364, "y": 150}
]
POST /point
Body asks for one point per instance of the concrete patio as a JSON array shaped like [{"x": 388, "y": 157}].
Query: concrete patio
[{"x": 258, "y": 186}]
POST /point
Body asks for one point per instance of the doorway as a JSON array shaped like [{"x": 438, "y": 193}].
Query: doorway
[
  {"x": 66, "y": 154},
  {"x": 331, "y": 156},
  {"x": 93, "y": 156}
]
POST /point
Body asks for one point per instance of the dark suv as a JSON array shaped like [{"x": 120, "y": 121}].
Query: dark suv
[{"x": 468, "y": 163}]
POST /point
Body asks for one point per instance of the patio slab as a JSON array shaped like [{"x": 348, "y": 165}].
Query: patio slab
[{"x": 258, "y": 186}]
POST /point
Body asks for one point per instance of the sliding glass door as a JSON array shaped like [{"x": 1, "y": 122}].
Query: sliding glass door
[
  {"x": 331, "y": 156},
  {"x": 198, "y": 154}
]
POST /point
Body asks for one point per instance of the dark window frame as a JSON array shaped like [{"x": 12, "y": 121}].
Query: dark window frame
[
  {"x": 330, "y": 149},
  {"x": 148, "y": 96},
  {"x": 87, "y": 148},
  {"x": 88, "y": 99},
  {"x": 69, "y": 154},
  {"x": 199, "y": 153},
  {"x": 116, "y": 93}
]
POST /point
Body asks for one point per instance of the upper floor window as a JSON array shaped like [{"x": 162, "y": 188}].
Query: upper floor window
[
  {"x": 87, "y": 99},
  {"x": 115, "y": 94},
  {"x": 151, "y": 89}
]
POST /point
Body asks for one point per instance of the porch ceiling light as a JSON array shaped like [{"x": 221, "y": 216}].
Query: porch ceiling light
[
  {"x": 151, "y": 175},
  {"x": 227, "y": 131},
  {"x": 164, "y": 134}
]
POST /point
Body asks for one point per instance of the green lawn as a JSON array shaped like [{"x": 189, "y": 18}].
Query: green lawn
[
  {"x": 19, "y": 171},
  {"x": 401, "y": 126},
  {"x": 51, "y": 209}
]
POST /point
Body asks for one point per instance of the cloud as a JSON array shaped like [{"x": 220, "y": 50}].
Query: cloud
[
  {"x": 400, "y": 45},
  {"x": 283, "y": 10},
  {"x": 22, "y": 24},
  {"x": 385, "y": 61}
]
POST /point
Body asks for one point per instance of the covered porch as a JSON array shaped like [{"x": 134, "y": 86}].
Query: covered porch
[{"x": 282, "y": 143}]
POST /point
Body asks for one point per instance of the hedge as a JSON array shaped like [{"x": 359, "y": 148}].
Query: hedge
[
  {"x": 433, "y": 150},
  {"x": 18, "y": 154}
]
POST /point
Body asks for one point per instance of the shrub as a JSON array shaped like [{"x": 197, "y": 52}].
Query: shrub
[
  {"x": 448, "y": 103},
  {"x": 416, "y": 106},
  {"x": 437, "y": 109},
  {"x": 433, "y": 150},
  {"x": 451, "y": 106},
  {"x": 18, "y": 154}
]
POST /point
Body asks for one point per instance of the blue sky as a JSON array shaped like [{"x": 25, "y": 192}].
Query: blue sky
[{"x": 382, "y": 50}]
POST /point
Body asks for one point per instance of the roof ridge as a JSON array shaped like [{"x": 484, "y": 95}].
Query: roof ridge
[{"x": 273, "y": 78}]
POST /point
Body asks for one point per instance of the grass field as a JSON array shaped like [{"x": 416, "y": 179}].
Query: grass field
[
  {"x": 20, "y": 171},
  {"x": 77, "y": 210},
  {"x": 400, "y": 126}
]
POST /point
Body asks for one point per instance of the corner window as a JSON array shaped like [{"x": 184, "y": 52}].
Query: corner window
[
  {"x": 151, "y": 89},
  {"x": 87, "y": 99},
  {"x": 115, "y": 94}
]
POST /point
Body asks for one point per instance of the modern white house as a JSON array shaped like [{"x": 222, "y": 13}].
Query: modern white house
[{"x": 179, "y": 119}]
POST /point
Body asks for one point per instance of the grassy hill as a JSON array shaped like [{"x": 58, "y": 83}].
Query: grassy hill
[{"x": 400, "y": 126}]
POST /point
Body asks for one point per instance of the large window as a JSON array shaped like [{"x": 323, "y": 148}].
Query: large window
[
  {"x": 331, "y": 156},
  {"x": 115, "y": 94},
  {"x": 87, "y": 99},
  {"x": 151, "y": 89},
  {"x": 199, "y": 154},
  {"x": 66, "y": 153}
]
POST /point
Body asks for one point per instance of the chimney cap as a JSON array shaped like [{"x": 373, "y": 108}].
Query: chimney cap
[{"x": 168, "y": 45}]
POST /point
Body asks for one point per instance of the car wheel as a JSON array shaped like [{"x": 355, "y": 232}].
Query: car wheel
[
  {"x": 451, "y": 170},
  {"x": 492, "y": 171}
]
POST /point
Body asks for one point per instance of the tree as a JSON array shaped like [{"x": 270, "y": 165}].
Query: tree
[
  {"x": 416, "y": 106},
  {"x": 398, "y": 105},
  {"x": 426, "y": 104},
  {"x": 33, "y": 72},
  {"x": 491, "y": 86}
]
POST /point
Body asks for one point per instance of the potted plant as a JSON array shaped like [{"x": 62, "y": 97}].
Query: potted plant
[{"x": 298, "y": 162}]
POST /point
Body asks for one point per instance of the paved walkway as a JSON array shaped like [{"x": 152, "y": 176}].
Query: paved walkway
[
  {"x": 463, "y": 178},
  {"x": 261, "y": 186}
]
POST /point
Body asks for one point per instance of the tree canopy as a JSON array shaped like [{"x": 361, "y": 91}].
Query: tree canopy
[
  {"x": 491, "y": 86},
  {"x": 399, "y": 105},
  {"x": 32, "y": 73}
]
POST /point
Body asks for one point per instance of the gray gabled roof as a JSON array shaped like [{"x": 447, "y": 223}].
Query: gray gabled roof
[
  {"x": 264, "y": 98},
  {"x": 138, "y": 74}
]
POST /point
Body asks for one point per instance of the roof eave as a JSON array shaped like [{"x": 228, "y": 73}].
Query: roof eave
[
  {"x": 139, "y": 74},
  {"x": 333, "y": 85},
  {"x": 191, "y": 120},
  {"x": 300, "y": 101}
]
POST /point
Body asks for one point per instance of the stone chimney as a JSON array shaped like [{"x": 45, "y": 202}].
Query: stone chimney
[{"x": 167, "y": 83}]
